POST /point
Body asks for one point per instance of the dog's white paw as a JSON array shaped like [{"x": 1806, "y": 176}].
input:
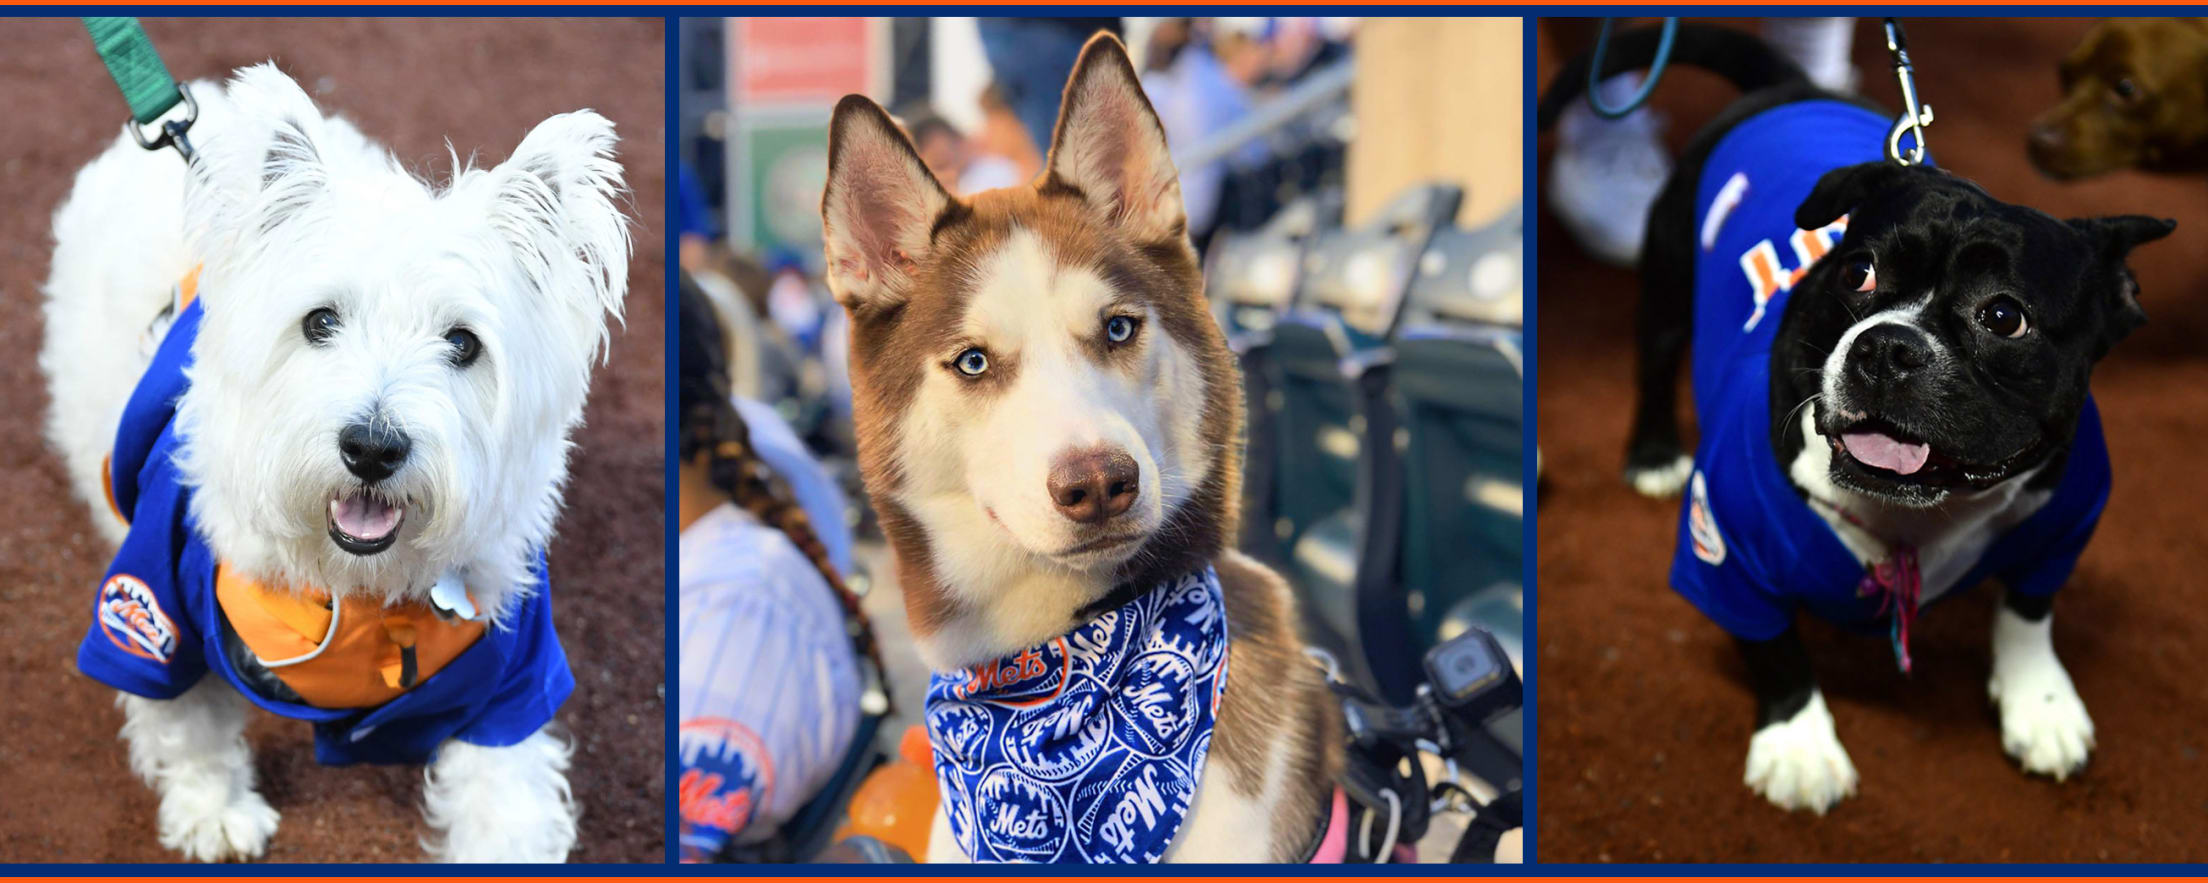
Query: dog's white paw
[
  {"x": 215, "y": 823},
  {"x": 1798, "y": 763},
  {"x": 1660, "y": 482},
  {"x": 2043, "y": 722}
]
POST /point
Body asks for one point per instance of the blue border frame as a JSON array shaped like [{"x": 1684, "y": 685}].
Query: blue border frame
[{"x": 1530, "y": 16}]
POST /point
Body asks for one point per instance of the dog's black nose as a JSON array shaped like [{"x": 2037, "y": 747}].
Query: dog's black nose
[
  {"x": 1095, "y": 484},
  {"x": 373, "y": 450},
  {"x": 1888, "y": 353}
]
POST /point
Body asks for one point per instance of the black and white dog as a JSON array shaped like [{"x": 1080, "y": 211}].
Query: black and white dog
[{"x": 1890, "y": 374}]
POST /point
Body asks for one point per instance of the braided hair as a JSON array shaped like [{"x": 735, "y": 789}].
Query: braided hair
[{"x": 710, "y": 424}]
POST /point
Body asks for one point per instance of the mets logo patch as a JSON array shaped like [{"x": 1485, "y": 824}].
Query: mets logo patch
[
  {"x": 132, "y": 618},
  {"x": 1097, "y": 762},
  {"x": 1709, "y": 545},
  {"x": 726, "y": 776}
]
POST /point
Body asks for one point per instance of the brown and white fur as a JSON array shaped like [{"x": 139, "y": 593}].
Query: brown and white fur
[{"x": 967, "y": 472}]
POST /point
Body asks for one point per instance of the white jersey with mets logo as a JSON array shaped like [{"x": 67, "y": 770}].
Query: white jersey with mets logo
[{"x": 770, "y": 685}]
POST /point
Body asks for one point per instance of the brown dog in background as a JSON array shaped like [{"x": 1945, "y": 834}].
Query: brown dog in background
[{"x": 2134, "y": 96}]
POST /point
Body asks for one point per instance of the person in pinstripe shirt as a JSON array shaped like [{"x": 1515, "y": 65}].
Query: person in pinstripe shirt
[{"x": 770, "y": 683}]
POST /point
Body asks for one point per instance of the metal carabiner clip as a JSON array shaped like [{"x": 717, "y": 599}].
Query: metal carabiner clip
[
  {"x": 1914, "y": 116},
  {"x": 172, "y": 132}
]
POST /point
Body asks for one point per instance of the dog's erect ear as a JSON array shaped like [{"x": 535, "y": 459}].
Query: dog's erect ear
[
  {"x": 2113, "y": 239},
  {"x": 878, "y": 212},
  {"x": 244, "y": 190},
  {"x": 1110, "y": 147},
  {"x": 1842, "y": 189},
  {"x": 557, "y": 201}
]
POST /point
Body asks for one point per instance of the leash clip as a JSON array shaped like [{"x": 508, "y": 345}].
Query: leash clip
[
  {"x": 172, "y": 133},
  {"x": 1914, "y": 116}
]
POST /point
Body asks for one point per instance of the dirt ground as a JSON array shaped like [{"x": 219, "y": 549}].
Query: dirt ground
[
  {"x": 69, "y": 793},
  {"x": 1645, "y": 712}
]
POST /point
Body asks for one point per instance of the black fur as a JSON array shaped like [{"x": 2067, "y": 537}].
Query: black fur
[{"x": 1994, "y": 406}]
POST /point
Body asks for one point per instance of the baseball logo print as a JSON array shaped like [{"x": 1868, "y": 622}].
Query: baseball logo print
[
  {"x": 133, "y": 619},
  {"x": 1124, "y": 819},
  {"x": 1020, "y": 820},
  {"x": 1060, "y": 740},
  {"x": 1123, "y": 740},
  {"x": 726, "y": 776}
]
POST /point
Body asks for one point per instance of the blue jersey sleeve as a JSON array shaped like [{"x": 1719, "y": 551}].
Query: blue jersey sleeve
[
  {"x": 536, "y": 679},
  {"x": 1713, "y": 571},
  {"x": 143, "y": 638}
]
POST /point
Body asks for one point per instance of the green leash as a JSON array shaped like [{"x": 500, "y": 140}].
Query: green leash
[{"x": 145, "y": 83}]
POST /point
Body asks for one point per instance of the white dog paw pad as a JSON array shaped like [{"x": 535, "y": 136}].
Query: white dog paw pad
[
  {"x": 1660, "y": 482},
  {"x": 1799, "y": 764},
  {"x": 214, "y": 831},
  {"x": 2044, "y": 724}
]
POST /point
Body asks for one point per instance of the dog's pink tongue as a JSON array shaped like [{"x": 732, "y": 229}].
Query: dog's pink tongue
[
  {"x": 1881, "y": 450},
  {"x": 363, "y": 517}
]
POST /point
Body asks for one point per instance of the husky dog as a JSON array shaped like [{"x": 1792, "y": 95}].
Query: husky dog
[
  {"x": 322, "y": 408},
  {"x": 1046, "y": 418}
]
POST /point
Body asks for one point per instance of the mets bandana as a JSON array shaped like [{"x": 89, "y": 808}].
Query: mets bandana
[{"x": 1085, "y": 748}]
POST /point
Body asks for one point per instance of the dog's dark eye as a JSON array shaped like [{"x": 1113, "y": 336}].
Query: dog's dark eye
[
  {"x": 1859, "y": 275},
  {"x": 1120, "y": 329},
  {"x": 465, "y": 347},
  {"x": 2004, "y": 317},
  {"x": 972, "y": 362},
  {"x": 319, "y": 326},
  {"x": 2125, "y": 89}
]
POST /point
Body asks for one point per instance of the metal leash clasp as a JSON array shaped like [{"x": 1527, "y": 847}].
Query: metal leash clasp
[
  {"x": 173, "y": 132},
  {"x": 1914, "y": 116}
]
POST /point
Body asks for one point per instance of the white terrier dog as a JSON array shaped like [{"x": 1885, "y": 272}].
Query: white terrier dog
[{"x": 333, "y": 471}]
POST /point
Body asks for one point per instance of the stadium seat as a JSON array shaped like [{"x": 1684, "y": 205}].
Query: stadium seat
[
  {"x": 1327, "y": 366},
  {"x": 1456, "y": 388}
]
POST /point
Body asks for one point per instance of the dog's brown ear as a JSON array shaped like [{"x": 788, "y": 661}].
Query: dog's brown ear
[
  {"x": 1839, "y": 191},
  {"x": 879, "y": 208},
  {"x": 1110, "y": 148}
]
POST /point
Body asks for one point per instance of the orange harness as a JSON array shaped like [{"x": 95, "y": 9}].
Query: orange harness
[{"x": 356, "y": 654}]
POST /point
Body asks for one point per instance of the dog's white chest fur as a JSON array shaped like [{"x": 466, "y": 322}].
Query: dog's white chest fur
[{"x": 1949, "y": 538}]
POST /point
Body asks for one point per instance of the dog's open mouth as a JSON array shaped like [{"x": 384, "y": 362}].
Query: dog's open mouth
[
  {"x": 1885, "y": 452},
  {"x": 363, "y": 524}
]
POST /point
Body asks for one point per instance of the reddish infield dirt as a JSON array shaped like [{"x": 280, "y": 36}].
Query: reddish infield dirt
[
  {"x": 1645, "y": 711},
  {"x": 70, "y": 795}
]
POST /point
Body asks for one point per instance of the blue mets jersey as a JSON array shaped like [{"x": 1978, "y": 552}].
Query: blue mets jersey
[
  {"x": 1751, "y": 550},
  {"x": 157, "y": 628}
]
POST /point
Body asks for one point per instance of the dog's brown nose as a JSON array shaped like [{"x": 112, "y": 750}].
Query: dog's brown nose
[{"x": 1094, "y": 484}]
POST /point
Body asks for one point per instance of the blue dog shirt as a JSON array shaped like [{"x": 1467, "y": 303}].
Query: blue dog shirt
[
  {"x": 1085, "y": 748},
  {"x": 1751, "y": 550},
  {"x": 157, "y": 629}
]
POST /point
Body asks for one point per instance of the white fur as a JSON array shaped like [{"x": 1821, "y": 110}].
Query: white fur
[
  {"x": 506, "y": 804},
  {"x": 1798, "y": 763},
  {"x": 1661, "y": 482},
  {"x": 192, "y": 750},
  {"x": 286, "y": 211},
  {"x": 2043, "y": 722},
  {"x": 1950, "y": 537},
  {"x": 965, "y": 458}
]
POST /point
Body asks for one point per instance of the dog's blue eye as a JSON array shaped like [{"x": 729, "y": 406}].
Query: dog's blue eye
[
  {"x": 319, "y": 325},
  {"x": 972, "y": 362},
  {"x": 465, "y": 347},
  {"x": 1118, "y": 329}
]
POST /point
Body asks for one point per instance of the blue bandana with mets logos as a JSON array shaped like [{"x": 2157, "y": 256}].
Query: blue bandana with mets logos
[{"x": 1085, "y": 748}]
